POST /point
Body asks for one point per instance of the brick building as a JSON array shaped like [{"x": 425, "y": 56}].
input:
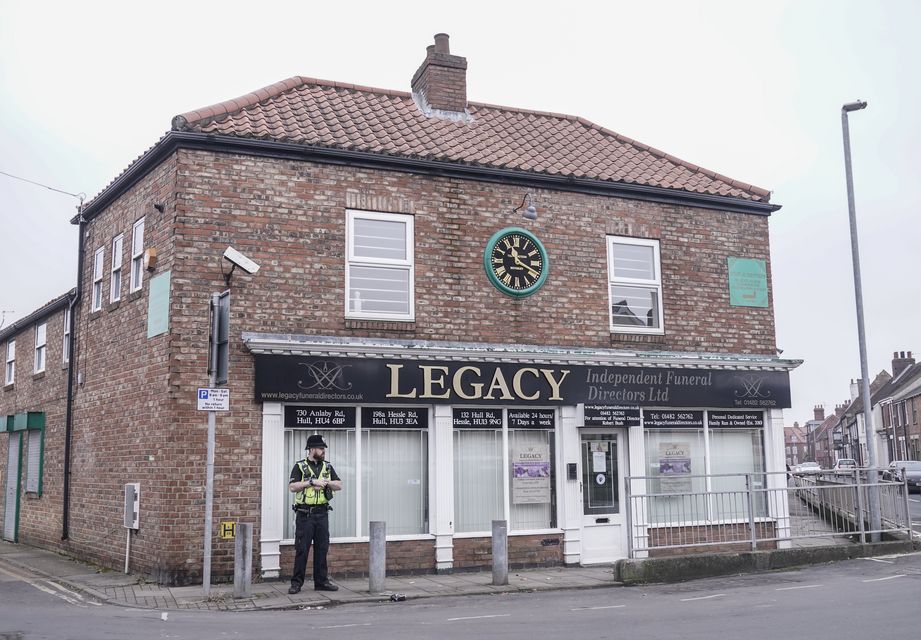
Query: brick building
[
  {"x": 514, "y": 367},
  {"x": 33, "y": 408},
  {"x": 896, "y": 408},
  {"x": 794, "y": 440}
]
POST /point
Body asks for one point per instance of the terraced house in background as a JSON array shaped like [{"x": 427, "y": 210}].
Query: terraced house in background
[{"x": 487, "y": 312}]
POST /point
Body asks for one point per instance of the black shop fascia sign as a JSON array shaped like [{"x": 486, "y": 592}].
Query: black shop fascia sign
[{"x": 305, "y": 379}]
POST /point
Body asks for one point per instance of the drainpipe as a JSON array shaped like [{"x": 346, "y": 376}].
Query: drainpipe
[{"x": 71, "y": 365}]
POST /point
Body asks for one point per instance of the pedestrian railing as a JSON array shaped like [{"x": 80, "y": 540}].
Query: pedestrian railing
[{"x": 682, "y": 513}]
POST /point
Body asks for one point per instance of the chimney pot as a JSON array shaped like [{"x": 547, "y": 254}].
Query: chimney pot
[{"x": 441, "y": 43}]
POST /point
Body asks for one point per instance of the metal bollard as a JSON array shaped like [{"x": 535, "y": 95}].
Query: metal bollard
[
  {"x": 243, "y": 561},
  {"x": 499, "y": 552},
  {"x": 377, "y": 557}
]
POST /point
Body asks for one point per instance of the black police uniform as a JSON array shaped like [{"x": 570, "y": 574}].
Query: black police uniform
[{"x": 311, "y": 526}]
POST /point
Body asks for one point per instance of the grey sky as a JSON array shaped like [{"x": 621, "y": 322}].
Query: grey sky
[{"x": 752, "y": 90}]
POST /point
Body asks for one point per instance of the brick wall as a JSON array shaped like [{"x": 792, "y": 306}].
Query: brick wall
[
  {"x": 351, "y": 559},
  {"x": 290, "y": 217},
  {"x": 701, "y": 539},
  {"x": 124, "y": 423},
  {"x": 40, "y": 515},
  {"x": 532, "y": 551}
]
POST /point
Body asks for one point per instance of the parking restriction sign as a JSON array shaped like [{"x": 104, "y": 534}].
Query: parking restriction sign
[{"x": 214, "y": 399}]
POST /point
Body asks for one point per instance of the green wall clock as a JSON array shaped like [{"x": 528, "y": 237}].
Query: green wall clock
[{"x": 516, "y": 262}]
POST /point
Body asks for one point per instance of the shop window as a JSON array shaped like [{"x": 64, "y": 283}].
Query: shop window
[
  {"x": 675, "y": 464},
  {"x": 392, "y": 477},
  {"x": 481, "y": 461},
  {"x": 379, "y": 272},
  {"x": 137, "y": 255},
  {"x": 341, "y": 454},
  {"x": 479, "y": 493},
  {"x": 98, "y": 258},
  {"x": 115, "y": 277},
  {"x": 734, "y": 453},
  {"x": 529, "y": 512},
  {"x": 394, "y": 470},
  {"x": 634, "y": 285},
  {"x": 41, "y": 339},
  {"x": 10, "y": 374}
]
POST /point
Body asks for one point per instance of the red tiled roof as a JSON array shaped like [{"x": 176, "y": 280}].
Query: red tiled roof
[{"x": 343, "y": 116}]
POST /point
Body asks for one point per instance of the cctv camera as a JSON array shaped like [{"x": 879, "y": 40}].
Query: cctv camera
[{"x": 239, "y": 260}]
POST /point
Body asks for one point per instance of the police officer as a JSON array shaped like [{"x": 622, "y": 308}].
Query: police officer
[{"x": 312, "y": 482}]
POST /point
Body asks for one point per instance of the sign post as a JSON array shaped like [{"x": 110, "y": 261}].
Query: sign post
[{"x": 213, "y": 400}]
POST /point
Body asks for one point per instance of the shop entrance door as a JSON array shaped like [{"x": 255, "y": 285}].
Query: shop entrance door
[
  {"x": 603, "y": 523},
  {"x": 11, "y": 490}
]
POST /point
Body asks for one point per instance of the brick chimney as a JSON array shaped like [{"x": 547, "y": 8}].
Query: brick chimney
[
  {"x": 839, "y": 410},
  {"x": 818, "y": 412},
  {"x": 441, "y": 81},
  {"x": 901, "y": 361}
]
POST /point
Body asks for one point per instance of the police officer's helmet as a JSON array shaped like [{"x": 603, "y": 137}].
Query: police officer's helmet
[{"x": 315, "y": 442}]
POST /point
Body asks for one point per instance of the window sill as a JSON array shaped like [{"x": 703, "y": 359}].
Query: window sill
[
  {"x": 381, "y": 325},
  {"x": 33, "y": 495},
  {"x": 95, "y": 314},
  {"x": 112, "y": 306},
  {"x": 38, "y": 376},
  {"x": 134, "y": 295},
  {"x": 522, "y": 532},
  {"x": 9, "y": 387},
  {"x": 643, "y": 338}
]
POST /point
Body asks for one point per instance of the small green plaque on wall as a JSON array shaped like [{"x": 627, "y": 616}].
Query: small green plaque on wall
[
  {"x": 748, "y": 282},
  {"x": 158, "y": 305}
]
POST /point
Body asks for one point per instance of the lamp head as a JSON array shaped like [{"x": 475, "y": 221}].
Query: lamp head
[{"x": 854, "y": 106}]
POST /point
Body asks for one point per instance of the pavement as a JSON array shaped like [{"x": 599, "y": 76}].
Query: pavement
[
  {"x": 105, "y": 585},
  {"x": 113, "y": 587}
]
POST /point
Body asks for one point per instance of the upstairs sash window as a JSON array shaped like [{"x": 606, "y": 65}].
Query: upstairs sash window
[
  {"x": 379, "y": 270},
  {"x": 635, "y": 285}
]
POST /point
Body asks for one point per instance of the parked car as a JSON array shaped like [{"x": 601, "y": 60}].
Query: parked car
[
  {"x": 808, "y": 467},
  {"x": 845, "y": 464},
  {"x": 912, "y": 470}
]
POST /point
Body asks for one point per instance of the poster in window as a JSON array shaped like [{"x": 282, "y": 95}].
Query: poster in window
[
  {"x": 675, "y": 467},
  {"x": 531, "y": 474}
]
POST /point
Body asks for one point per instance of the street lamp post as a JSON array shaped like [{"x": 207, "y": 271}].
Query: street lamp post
[{"x": 872, "y": 480}]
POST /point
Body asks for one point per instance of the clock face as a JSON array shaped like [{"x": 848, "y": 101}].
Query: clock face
[{"x": 516, "y": 262}]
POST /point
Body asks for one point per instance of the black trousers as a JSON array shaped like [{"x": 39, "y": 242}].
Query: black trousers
[{"x": 311, "y": 528}]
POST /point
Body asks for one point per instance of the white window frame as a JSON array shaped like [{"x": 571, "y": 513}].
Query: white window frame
[
  {"x": 407, "y": 264},
  {"x": 41, "y": 346},
  {"x": 115, "y": 273},
  {"x": 98, "y": 259},
  {"x": 9, "y": 376},
  {"x": 654, "y": 283},
  {"x": 65, "y": 341},
  {"x": 137, "y": 255}
]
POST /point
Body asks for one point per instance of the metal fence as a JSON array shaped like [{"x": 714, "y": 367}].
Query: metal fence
[{"x": 667, "y": 515}]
